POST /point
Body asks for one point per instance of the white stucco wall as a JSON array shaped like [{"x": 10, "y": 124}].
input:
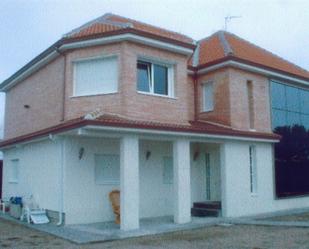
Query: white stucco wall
[
  {"x": 39, "y": 170},
  {"x": 238, "y": 201},
  {"x": 86, "y": 201}
]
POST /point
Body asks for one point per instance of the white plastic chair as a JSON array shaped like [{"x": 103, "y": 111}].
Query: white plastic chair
[{"x": 31, "y": 208}]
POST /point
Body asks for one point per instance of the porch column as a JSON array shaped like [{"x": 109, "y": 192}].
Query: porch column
[
  {"x": 182, "y": 187},
  {"x": 129, "y": 183}
]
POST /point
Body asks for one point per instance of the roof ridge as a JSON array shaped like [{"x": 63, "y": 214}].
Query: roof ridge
[
  {"x": 224, "y": 43},
  {"x": 267, "y": 51},
  {"x": 196, "y": 55},
  {"x": 101, "y": 19},
  {"x": 150, "y": 25}
]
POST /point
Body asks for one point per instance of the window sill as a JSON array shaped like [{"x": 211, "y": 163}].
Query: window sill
[
  {"x": 93, "y": 95},
  {"x": 206, "y": 111},
  {"x": 254, "y": 195},
  {"x": 157, "y": 95},
  {"x": 13, "y": 182},
  {"x": 108, "y": 183}
]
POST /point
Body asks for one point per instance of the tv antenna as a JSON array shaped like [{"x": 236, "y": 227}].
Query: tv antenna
[{"x": 227, "y": 19}]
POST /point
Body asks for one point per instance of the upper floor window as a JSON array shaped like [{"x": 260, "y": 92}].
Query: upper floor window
[
  {"x": 95, "y": 76},
  {"x": 14, "y": 171},
  {"x": 208, "y": 98},
  {"x": 154, "y": 78}
]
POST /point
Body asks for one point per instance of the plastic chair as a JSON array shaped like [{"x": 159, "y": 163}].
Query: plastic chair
[
  {"x": 114, "y": 198},
  {"x": 31, "y": 211}
]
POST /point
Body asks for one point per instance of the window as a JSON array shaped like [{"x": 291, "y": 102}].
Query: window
[
  {"x": 253, "y": 170},
  {"x": 168, "y": 170},
  {"x": 107, "y": 169},
  {"x": 14, "y": 171},
  {"x": 208, "y": 99},
  {"x": 250, "y": 103},
  {"x": 154, "y": 78},
  {"x": 96, "y": 76}
]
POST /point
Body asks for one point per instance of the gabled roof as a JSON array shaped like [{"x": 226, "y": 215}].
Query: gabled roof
[
  {"x": 111, "y": 22},
  {"x": 224, "y": 45},
  {"x": 109, "y": 120}
]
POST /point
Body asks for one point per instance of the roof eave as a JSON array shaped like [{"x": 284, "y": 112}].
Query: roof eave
[{"x": 120, "y": 35}]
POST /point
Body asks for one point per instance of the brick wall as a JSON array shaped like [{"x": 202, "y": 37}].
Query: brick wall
[{"x": 42, "y": 92}]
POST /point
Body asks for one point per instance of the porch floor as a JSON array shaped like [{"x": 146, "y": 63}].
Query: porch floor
[{"x": 107, "y": 231}]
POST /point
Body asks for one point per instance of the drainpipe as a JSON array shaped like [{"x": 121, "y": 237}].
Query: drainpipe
[
  {"x": 62, "y": 164},
  {"x": 63, "y": 83},
  {"x": 195, "y": 96}
]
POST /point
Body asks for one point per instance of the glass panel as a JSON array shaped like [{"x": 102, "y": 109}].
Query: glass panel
[
  {"x": 168, "y": 170},
  {"x": 208, "y": 100},
  {"x": 160, "y": 75},
  {"x": 143, "y": 76},
  {"x": 292, "y": 99},
  {"x": 293, "y": 118},
  {"x": 304, "y": 100},
  {"x": 278, "y": 95},
  {"x": 278, "y": 118}
]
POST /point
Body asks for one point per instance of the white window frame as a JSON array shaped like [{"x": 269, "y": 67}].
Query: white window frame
[
  {"x": 14, "y": 163},
  {"x": 253, "y": 170},
  {"x": 170, "y": 77},
  {"x": 168, "y": 179},
  {"x": 101, "y": 57},
  {"x": 105, "y": 181},
  {"x": 205, "y": 106}
]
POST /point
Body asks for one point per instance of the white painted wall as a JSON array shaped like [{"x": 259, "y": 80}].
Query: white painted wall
[
  {"x": 237, "y": 198},
  {"x": 39, "y": 170},
  {"x": 87, "y": 202}
]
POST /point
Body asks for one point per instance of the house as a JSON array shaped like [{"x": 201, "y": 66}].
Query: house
[{"x": 169, "y": 121}]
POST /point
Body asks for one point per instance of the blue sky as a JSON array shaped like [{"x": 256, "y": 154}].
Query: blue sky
[{"x": 27, "y": 27}]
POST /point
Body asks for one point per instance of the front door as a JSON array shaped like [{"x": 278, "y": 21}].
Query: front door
[
  {"x": 0, "y": 179},
  {"x": 207, "y": 168}
]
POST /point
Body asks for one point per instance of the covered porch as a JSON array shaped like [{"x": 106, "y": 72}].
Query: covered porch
[{"x": 162, "y": 179}]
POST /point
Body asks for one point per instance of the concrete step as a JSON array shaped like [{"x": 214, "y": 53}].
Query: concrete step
[
  {"x": 208, "y": 204},
  {"x": 203, "y": 212}
]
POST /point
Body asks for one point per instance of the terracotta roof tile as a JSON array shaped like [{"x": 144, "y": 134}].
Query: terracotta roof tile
[
  {"x": 111, "y": 22},
  {"x": 116, "y": 121},
  {"x": 212, "y": 49}
]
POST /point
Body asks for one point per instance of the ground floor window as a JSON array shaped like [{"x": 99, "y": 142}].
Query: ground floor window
[{"x": 107, "y": 169}]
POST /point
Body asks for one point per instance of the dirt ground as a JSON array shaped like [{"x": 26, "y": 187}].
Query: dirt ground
[{"x": 233, "y": 237}]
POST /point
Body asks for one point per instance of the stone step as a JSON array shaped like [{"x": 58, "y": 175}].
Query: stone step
[
  {"x": 203, "y": 212},
  {"x": 208, "y": 204}
]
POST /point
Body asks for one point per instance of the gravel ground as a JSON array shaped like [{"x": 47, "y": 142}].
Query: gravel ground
[{"x": 237, "y": 236}]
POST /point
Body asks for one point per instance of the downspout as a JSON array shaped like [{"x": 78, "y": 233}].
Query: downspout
[
  {"x": 195, "y": 96},
  {"x": 61, "y": 185},
  {"x": 63, "y": 83},
  {"x": 62, "y": 165}
]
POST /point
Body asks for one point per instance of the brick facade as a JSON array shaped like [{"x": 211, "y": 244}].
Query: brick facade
[{"x": 43, "y": 92}]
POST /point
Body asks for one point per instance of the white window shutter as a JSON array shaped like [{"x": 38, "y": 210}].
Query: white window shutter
[{"x": 96, "y": 76}]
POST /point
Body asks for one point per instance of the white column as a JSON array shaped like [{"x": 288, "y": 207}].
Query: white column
[
  {"x": 182, "y": 187},
  {"x": 223, "y": 179},
  {"x": 129, "y": 183}
]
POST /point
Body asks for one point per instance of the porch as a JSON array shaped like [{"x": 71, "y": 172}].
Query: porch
[{"x": 157, "y": 177}]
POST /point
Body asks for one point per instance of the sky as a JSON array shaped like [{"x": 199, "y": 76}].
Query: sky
[{"x": 27, "y": 27}]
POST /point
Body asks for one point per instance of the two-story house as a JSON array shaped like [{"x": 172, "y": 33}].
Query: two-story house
[{"x": 169, "y": 121}]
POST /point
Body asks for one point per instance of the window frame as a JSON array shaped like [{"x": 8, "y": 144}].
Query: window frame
[
  {"x": 204, "y": 85},
  {"x": 105, "y": 182},
  {"x": 253, "y": 170},
  {"x": 168, "y": 179},
  {"x": 12, "y": 163},
  {"x": 92, "y": 58},
  {"x": 170, "y": 77}
]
